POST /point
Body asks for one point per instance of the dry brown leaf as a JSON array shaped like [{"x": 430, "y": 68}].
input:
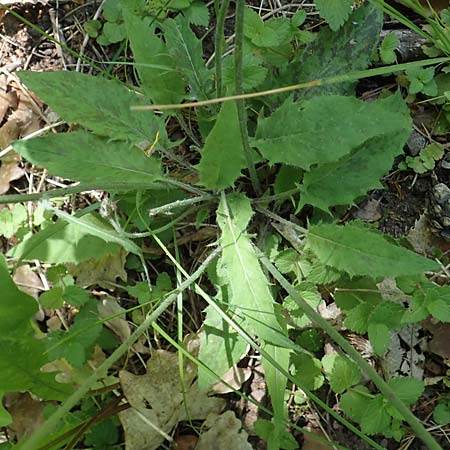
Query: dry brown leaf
[
  {"x": 27, "y": 414},
  {"x": 310, "y": 443},
  {"x": 9, "y": 171},
  {"x": 223, "y": 432},
  {"x": 109, "y": 307},
  {"x": 235, "y": 377},
  {"x": 27, "y": 281},
  {"x": 157, "y": 401},
  {"x": 440, "y": 343},
  {"x": 102, "y": 271}
]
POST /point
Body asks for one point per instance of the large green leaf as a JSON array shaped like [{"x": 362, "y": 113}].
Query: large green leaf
[
  {"x": 186, "y": 49},
  {"x": 64, "y": 242},
  {"x": 336, "y": 53},
  {"x": 99, "y": 104},
  {"x": 22, "y": 355},
  {"x": 158, "y": 73},
  {"x": 85, "y": 157},
  {"x": 341, "y": 182},
  {"x": 324, "y": 129},
  {"x": 249, "y": 295},
  {"x": 360, "y": 251},
  {"x": 223, "y": 154}
]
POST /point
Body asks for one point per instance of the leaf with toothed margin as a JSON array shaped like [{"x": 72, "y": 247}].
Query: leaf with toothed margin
[{"x": 357, "y": 250}]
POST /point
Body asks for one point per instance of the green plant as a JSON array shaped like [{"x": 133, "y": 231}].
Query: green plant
[
  {"x": 336, "y": 147},
  {"x": 426, "y": 159}
]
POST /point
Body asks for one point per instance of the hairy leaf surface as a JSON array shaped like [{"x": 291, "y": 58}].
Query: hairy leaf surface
[
  {"x": 85, "y": 157},
  {"x": 324, "y": 129},
  {"x": 223, "y": 154},
  {"x": 96, "y": 103},
  {"x": 341, "y": 182},
  {"x": 359, "y": 251},
  {"x": 335, "y": 53},
  {"x": 157, "y": 70},
  {"x": 64, "y": 242},
  {"x": 249, "y": 294},
  {"x": 186, "y": 49}
]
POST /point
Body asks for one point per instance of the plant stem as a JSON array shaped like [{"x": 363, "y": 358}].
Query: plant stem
[
  {"x": 33, "y": 441},
  {"x": 101, "y": 186},
  {"x": 351, "y": 76},
  {"x": 383, "y": 387},
  {"x": 218, "y": 47},
  {"x": 239, "y": 90}
]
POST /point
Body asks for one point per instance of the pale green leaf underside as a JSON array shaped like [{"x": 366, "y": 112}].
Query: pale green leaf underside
[
  {"x": 223, "y": 155},
  {"x": 249, "y": 295},
  {"x": 359, "y": 251},
  {"x": 96, "y": 103},
  {"x": 324, "y": 129},
  {"x": 83, "y": 156},
  {"x": 62, "y": 242}
]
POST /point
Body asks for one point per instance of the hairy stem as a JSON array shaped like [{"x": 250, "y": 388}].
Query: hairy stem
[
  {"x": 239, "y": 83},
  {"x": 218, "y": 45}
]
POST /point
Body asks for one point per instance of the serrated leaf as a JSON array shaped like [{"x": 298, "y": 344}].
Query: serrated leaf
[
  {"x": 354, "y": 402},
  {"x": 325, "y": 186},
  {"x": 388, "y": 313},
  {"x": 440, "y": 310},
  {"x": 223, "y": 155},
  {"x": 387, "y": 48},
  {"x": 335, "y": 12},
  {"x": 258, "y": 32},
  {"x": 359, "y": 251},
  {"x": 64, "y": 242},
  {"x": 351, "y": 293},
  {"x": 254, "y": 73},
  {"x": 341, "y": 372},
  {"x": 379, "y": 336},
  {"x": 441, "y": 413},
  {"x": 104, "y": 108},
  {"x": 186, "y": 49},
  {"x": 358, "y": 318},
  {"x": 375, "y": 418},
  {"x": 85, "y": 157},
  {"x": 22, "y": 354},
  {"x": 76, "y": 344},
  {"x": 318, "y": 125},
  {"x": 157, "y": 70},
  {"x": 334, "y": 53},
  {"x": 249, "y": 294},
  {"x": 307, "y": 371},
  {"x": 407, "y": 389},
  {"x": 197, "y": 14}
]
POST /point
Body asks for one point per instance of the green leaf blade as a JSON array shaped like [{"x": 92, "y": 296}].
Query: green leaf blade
[
  {"x": 358, "y": 251},
  {"x": 223, "y": 155},
  {"x": 250, "y": 297},
  {"x": 85, "y": 157},
  {"x": 96, "y": 103},
  {"x": 335, "y": 12}
]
